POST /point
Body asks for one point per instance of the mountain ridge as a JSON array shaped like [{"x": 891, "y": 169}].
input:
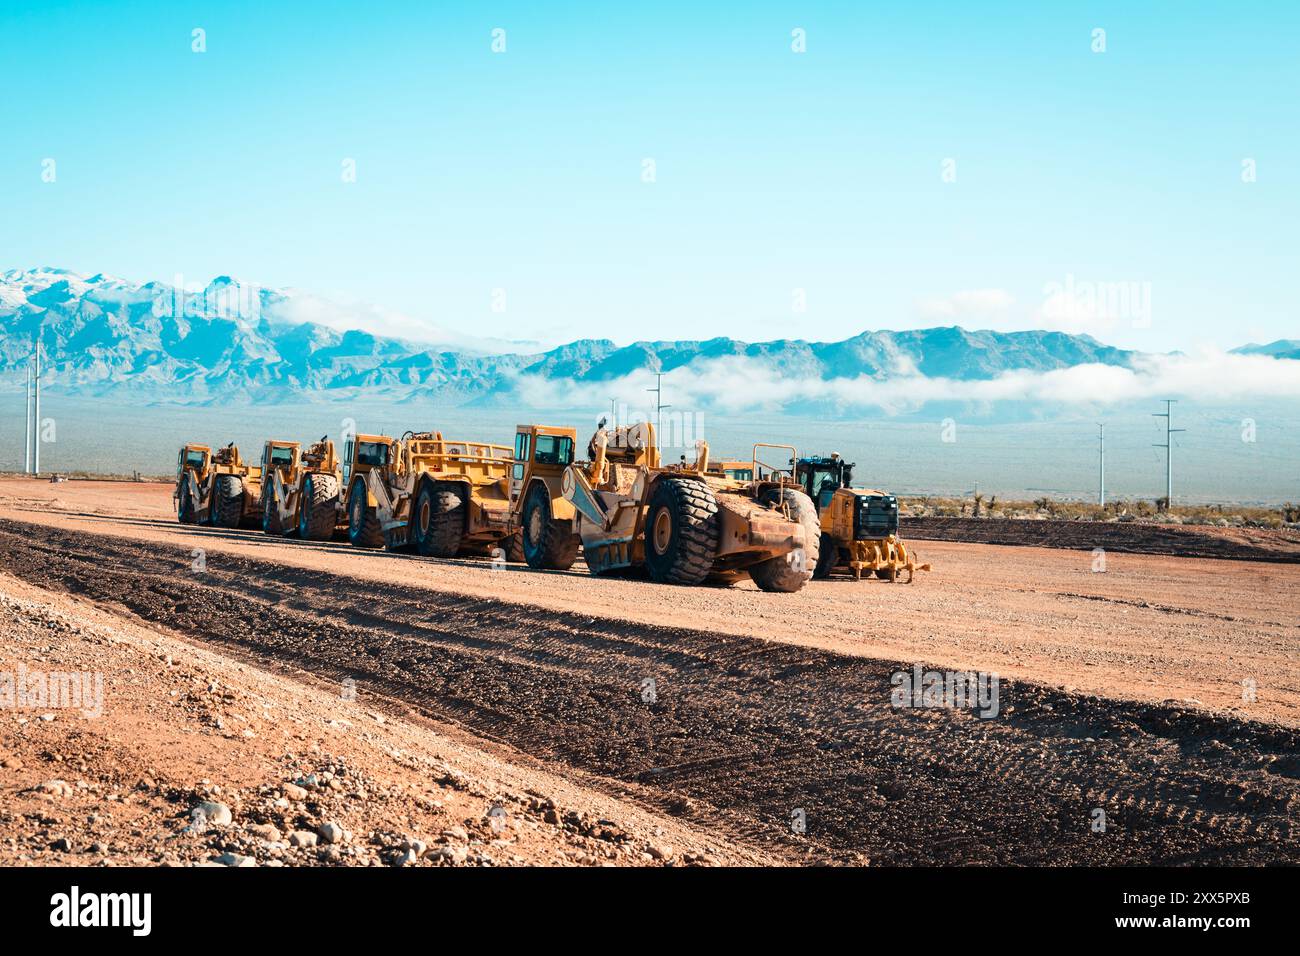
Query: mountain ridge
[{"x": 103, "y": 335}]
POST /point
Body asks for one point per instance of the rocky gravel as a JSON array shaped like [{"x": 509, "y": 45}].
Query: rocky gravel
[{"x": 198, "y": 760}]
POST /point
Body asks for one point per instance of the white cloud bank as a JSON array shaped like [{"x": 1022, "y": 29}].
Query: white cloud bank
[{"x": 737, "y": 384}]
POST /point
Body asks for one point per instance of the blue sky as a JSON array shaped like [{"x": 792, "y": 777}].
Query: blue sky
[{"x": 775, "y": 171}]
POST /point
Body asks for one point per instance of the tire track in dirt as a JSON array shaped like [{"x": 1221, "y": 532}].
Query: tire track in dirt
[
  {"x": 742, "y": 732},
  {"x": 1151, "y": 606}
]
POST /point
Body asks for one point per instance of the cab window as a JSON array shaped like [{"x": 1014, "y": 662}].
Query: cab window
[
  {"x": 281, "y": 457},
  {"x": 195, "y": 459},
  {"x": 740, "y": 474},
  {"x": 824, "y": 481},
  {"x": 372, "y": 453},
  {"x": 521, "y": 446},
  {"x": 554, "y": 450}
]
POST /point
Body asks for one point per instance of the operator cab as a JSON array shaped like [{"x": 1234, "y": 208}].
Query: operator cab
[
  {"x": 277, "y": 455},
  {"x": 540, "y": 450},
  {"x": 363, "y": 452},
  {"x": 822, "y": 477},
  {"x": 195, "y": 458}
]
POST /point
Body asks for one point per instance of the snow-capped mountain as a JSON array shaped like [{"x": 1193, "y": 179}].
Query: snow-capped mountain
[
  {"x": 233, "y": 341},
  {"x": 1282, "y": 348}
]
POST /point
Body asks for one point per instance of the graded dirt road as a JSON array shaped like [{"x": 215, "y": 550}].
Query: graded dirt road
[
  {"x": 1151, "y": 628},
  {"x": 741, "y": 712}
]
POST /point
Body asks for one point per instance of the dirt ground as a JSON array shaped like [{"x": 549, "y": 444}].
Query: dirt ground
[
  {"x": 1135, "y": 537},
  {"x": 767, "y": 732},
  {"x": 1148, "y": 628},
  {"x": 182, "y": 726}
]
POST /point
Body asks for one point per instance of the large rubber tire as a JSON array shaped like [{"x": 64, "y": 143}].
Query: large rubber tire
[
  {"x": 228, "y": 501},
  {"x": 514, "y": 546},
  {"x": 548, "y": 544},
  {"x": 682, "y": 531},
  {"x": 318, "y": 509},
  {"x": 185, "y": 509},
  {"x": 363, "y": 521},
  {"x": 787, "y": 573},
  {"x": 438, "y": 522},
  {"x": 827, "y": 552},
  {"x": 271, "y": 522}
]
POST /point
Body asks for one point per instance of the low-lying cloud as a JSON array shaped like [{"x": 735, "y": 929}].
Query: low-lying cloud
[{"x": 740, "y": 384}]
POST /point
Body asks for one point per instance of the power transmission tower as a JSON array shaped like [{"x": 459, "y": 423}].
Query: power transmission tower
[
  {"x": 36, "y": 416},
  {"x": 27, "y": 435},
  {"x": 1168, "y": 446}
]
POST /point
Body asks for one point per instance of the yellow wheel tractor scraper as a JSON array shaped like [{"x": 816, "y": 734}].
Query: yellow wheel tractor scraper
[
  {"x": 217, "y": 488},
  {"x": 859, "y": 527},
  {"x": 192, "y": 468},
  {"x": 685, "y": 524},
  {"x": 301, "y": 490},
  {"x": 542, "y": 520},
  {"x": 421, "y": 491}
]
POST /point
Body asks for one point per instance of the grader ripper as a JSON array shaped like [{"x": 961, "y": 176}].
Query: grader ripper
[
  {"x": 301, "y": 495},
  {"x": 685, "y": 524},
  {"x": 422, "y": 491},
  {"x": 859, "y": 527},
  {"x": 217, "y": 488}
]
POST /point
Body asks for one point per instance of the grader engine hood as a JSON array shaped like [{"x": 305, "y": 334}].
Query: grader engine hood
[{"x": 875, "y": 515}]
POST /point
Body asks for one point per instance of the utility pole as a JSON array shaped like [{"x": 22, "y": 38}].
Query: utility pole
[
  {"x": 613, "y": 412},
  {"x": 659, "y": 406},
  {"x": 1168, "y": 446},
  {"x": 1101, "y": 464},
  {"x": 36, "y": 416},
  {"x": 27, "y": 435}
]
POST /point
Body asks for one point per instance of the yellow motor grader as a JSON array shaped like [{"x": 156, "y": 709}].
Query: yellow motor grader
[
  {"x": 300, "y": 489},
  {"x": 859, "y": 527},
  {"x": 421, "y": 491},
  {"x": 685, "y": 524},
  {"x": 224, "y": 492}
]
